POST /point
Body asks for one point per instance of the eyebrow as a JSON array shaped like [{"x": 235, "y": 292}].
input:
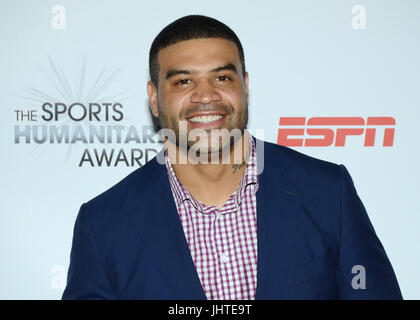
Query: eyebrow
[
  {"x": 229, "y": 66},
  {"x": 174, "y": 72}
]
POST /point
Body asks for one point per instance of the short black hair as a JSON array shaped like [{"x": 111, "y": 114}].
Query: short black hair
[{"x": 188, "y": 28}]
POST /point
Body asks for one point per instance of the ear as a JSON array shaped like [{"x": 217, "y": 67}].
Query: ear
[
  {"x": 246, "y": 84},
  {"x": 152, "y": 93}
]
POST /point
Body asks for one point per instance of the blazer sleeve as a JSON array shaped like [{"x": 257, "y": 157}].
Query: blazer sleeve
[
  {"x": 86, "y": 276},
  {"x": 364, "y": 270}
]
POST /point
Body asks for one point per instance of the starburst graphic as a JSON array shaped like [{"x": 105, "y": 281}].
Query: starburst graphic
[{"x": 96, "y": 91}]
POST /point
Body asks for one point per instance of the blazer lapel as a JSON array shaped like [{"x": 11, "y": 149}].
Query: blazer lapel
[
  {"x": 278, "y": 212},
  {"x": 155, "y": 215}
]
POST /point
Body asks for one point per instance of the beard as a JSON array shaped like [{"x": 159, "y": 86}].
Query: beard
[{"x": 211, "y": 141}]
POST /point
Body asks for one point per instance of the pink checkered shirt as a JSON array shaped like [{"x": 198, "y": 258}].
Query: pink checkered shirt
[{"x": 222, "y": 242}]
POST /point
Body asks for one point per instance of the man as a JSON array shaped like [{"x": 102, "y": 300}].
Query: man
[{"x": 220, "y": 217}]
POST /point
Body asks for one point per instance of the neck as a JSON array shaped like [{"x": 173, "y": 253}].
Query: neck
[
  {"x": 232, "y": 158},
  {"x": 212, "y": 183}
]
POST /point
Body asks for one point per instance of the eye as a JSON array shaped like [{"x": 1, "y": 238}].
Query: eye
[
  {"x": 223, "y": 78},
  {"x": 183, "y": 82}
]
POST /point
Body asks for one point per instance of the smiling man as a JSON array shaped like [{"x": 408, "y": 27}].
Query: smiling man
[
  {"x": 219, "y": 214},
  {"x": 201, "y": 84}
]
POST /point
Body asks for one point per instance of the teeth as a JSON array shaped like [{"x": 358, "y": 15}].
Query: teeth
[{"x": 205, "y": 119}]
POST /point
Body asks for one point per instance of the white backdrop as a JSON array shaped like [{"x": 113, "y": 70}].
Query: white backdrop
[{"x": 305, "y": 59}]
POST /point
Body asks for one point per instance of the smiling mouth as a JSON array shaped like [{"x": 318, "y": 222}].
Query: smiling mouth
[{"x": 205, "y": 119}]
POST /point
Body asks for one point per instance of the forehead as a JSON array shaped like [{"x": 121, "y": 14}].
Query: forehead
[{"x": 199, "y": 54}]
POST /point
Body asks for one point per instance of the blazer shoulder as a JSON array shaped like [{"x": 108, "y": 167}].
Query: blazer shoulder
[
  {"x": 111, "y": 201},
  {"x": 300, "y": 165}
]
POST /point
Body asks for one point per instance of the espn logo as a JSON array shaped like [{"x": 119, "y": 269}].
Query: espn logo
[{"x": 334, "y": 130}]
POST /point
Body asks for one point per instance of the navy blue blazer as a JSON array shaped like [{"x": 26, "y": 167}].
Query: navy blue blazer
[{"x": 312, "y": 227}]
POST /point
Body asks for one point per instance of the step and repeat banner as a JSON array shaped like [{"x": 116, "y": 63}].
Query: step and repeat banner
[{"x": 336, "y": 80}]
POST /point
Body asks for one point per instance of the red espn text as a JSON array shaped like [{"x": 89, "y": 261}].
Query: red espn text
[{"x": 340, "y": 130}]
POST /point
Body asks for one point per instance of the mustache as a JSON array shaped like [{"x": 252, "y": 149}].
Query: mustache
[{"x": 207, "y": 108}]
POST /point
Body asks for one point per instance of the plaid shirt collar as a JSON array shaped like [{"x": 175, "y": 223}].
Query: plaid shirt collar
[{"x": 250, "y": 177}]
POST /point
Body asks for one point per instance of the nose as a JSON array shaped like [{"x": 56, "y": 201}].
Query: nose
[{"x": 205, "y": 93}]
